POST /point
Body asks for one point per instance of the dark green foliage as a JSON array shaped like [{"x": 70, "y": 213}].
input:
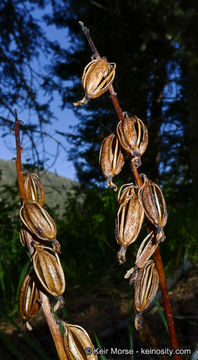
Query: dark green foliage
[
  {"x": 12, "y": 255},
  {"x": 86, "y": 234}
]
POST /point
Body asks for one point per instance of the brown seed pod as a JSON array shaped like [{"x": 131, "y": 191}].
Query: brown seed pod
[
  {"x": 154, "y": 205},
  {"x": 129, "y": 219},
  {"x": 133, "y": 137},
  {"x": 38, "y": 221},
  {"x": 124, "y": 193},
  {"x": 97, "y": 77},
  {"x": 28, "y": 239},
  {"x": 29, "y": 302},
  {"x": 77, "y": 343},
  {"x": 146, "y": 250},
  {"x": 146, "y": 286},
  {"x": 33, "y": 188},
  {"x": 111, "y": 159},
  {"x": 25, "y": 236},
  {"x": 49, "y": 271}
]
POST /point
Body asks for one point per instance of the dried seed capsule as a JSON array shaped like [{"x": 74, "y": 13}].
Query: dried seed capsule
[
  {"x": 146, "y": 286},
  {"x": 29, "y": 302},
  {"x": 128, "y": 221},
  {"x": 26, "y": 237},
  {"x": 49, "y": 271},
  {"x": 97, "y": 77},
  {"x": 146, "y": 250},
  {"x": 33, "y": 188},
  {"x": 23, "y": 235},
  {"x": 111, "y": 159},
  {"x": 38, "y": 221},
  {"x": 133, "y": 136},
  {"x": 154, "y": 205},
  {"x": 124, "y": 193},
  {"x": 77, "y": 343}
]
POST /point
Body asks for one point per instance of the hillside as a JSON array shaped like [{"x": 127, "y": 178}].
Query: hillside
[{"x": 55, "y": 186}]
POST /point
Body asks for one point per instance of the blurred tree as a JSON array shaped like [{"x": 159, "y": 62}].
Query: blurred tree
[
  {"x": 189, "y": 47},
  {"x": 21, "y": 42}
]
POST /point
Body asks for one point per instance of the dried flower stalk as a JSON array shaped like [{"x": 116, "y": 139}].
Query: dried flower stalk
[
  {"x": 47, "y": 277},
  {"x": 135, "y": 143},
  {"x": 28, "y": 300}
]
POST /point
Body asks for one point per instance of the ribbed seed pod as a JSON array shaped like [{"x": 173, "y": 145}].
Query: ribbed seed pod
[
  {"x": 38, "y": 221},
  {"x": 111, "y": 159},
  {"x": 124, "y": 193},
  {"x": 146, "y": 286},
  {"x": 33, "y": 188},
  {"x": 49, "y": 271},
  {"x": 96, "y": 79},
  {"x": 128, "y": 221},
  {"x": 29, "y": 303},
  {"x": 77, "y": 343},
  {"x": 25, "y": 236},
  {"x": 133, "y": 137},
  {"x": 146, "y": 250},
  {"x": 154, "y": 205}
]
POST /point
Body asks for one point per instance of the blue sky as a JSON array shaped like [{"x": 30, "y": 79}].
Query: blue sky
[{"x": 65, "y": 118}]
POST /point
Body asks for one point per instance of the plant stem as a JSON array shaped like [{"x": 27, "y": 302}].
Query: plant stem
[
  {"x": 53, "y": 326},
  {"x": 18, "y": 157},
  {"x": 138, "y": 180}
]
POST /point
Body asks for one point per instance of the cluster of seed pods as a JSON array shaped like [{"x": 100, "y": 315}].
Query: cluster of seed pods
[
  {"x": 36, "y": 228},
  {"x": 134, "y": 204},
  {"x": 47, "y": 274}
]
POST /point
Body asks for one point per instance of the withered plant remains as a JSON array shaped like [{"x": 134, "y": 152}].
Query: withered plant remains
[
  {"x": 46, "y": 277},
  {"x": 138, "y": 201}
]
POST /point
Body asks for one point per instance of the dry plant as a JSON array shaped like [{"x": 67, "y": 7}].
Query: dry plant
[
  {"x": 46, "y": 277},
  {"x": 138, "y": 201}
]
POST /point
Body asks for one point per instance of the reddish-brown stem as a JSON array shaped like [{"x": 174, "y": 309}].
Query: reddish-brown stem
[
  {"x": 90, "y": 41},
  {"x": 166, "y": 302},
  {"x": 18, "y": 157},
  {"x": 53, "y": 326},
  {"x": 138, "y": 180}
]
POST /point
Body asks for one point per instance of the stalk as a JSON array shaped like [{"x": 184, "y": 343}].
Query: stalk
[
  {"x": 52, "y": 324},
  {"x": 138, "y": 180}
]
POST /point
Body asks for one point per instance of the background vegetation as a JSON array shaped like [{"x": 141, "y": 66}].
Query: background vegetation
[{"x": 154, "y": 44}]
